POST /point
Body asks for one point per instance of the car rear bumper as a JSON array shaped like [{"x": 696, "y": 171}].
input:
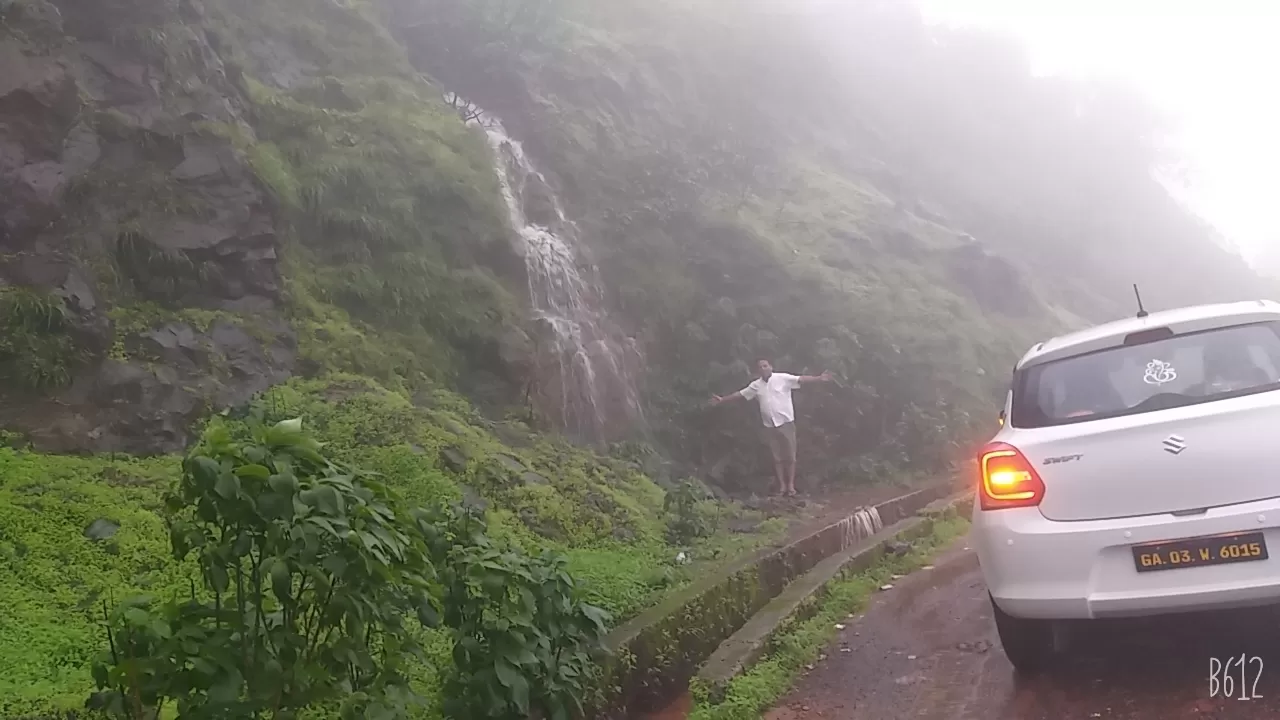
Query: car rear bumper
[{"x": 1039, "y": 568}]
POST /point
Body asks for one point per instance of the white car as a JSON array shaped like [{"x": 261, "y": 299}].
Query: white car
[{"x": 1136, "y": 472}]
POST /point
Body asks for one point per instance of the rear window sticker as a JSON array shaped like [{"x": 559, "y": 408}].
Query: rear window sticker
[{"x": 1159, "y": 372}]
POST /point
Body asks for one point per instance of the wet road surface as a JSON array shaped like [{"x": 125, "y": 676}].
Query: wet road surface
[{"x": 927, "y": 650}]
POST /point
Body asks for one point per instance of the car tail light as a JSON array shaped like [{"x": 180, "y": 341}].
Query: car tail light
[{"x": 1008, "y": 479}]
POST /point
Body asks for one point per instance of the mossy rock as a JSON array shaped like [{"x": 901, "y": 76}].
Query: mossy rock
[{"x": 455, "y": 459}]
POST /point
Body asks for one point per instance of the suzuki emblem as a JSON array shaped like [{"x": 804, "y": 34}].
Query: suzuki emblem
[{"x": 1174, "y": 444}]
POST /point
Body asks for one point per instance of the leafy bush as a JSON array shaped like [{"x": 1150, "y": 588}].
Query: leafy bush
[
  {"x": 686, "y": 522},
  {"x": 313, "y": 580},
  {"x": 309, "y": 571},
  {"x": 523, "y": 637}
]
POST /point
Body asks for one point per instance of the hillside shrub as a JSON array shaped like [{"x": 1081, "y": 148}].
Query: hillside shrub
[{"x": 309, "y": 575}]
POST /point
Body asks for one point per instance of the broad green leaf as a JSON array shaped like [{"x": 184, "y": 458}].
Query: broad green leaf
[
  {"x": 203, "y": 469},
  {"x": 228, "y": 486},
  {"x": 282, "y": 581},
  {"x": 329, "y": 501},
  {"x": 275, "y": 505},
  {"x": 256, "y": 472},
  {"x": 255, "y": 455},
  {"x": 427, "y": 614},
  {"x": 328, "y": 525},
  {"x": 520, "y": 694},
  {"x": 519, "y": 656},
  {"x": 218, "y": 578},
  {"x": 598, "y": 616},
  {"x": 137, "y": 617},
  {"x": 506, "y": 674},
  {"x": 334, "y": 564},
  {"x": 241, "y": 546},
  {"x": 285, "y": 482},
  {"x": 174, "y": 503},
  {"x": 227, "y": 689}
]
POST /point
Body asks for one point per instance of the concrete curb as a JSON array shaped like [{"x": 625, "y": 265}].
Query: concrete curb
[
  {"x": 656, "y": 653},
  {"x": 741, "y": 651}
]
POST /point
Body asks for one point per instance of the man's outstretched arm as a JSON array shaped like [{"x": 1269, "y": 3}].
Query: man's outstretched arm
[
  {"x": 806, "y": 379},
  {"x": 717, "y": 399}
]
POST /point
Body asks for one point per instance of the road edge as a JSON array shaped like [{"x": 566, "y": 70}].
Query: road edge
[
  {"x": 654, "y": 655},
  {"x": 737, "y": 657}
]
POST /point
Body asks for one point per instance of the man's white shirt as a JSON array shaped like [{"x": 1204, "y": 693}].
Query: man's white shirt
[{"x": 774, "y": 396}]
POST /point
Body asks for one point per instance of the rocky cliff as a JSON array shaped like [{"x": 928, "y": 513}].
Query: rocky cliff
[
  {"x": 119, "y": 198},
  {"x": 161, "y": 163}
]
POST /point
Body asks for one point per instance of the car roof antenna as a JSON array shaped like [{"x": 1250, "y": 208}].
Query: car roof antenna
[{"x": 1141, "y": 311}]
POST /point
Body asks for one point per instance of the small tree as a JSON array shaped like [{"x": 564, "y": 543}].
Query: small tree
[
  {"x": 523, "y": 637},
  {"x": 686, "y": 521},
  {"x": 308, "y": 572}
]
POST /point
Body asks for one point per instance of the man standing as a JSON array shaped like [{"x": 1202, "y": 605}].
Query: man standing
[{"x": 773, "y": 391}]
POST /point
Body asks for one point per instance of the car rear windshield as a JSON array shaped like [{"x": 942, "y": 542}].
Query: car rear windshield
[{"x": 1171, "y": 372}]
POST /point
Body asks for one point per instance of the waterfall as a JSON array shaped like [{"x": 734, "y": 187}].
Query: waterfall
[
  {"x": 586, "y": 366},
  {"x": 863, "y": 523}
]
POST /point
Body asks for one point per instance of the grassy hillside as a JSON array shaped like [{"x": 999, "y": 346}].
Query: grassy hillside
[
  {"x": 390, "y": 262},
  {"x": 77, "y": 532}
]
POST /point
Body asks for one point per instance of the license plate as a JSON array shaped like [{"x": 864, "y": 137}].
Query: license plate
[{"x": 1194, "y": 552}]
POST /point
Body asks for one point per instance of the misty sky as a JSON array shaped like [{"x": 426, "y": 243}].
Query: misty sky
[{"x": 1214, "y": 67}]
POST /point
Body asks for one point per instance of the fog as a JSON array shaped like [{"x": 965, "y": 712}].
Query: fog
[{"x": 1210, "y": 67}]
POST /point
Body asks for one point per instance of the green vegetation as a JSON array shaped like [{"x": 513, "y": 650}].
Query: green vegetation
[
  {"x": 144, "y": 315},
  {"x": 686, "y": 506},
  {"x": 393, "y": 251},
  {"x": 308, "y": 571},
  {"x": 74, "y": 531},
  {"x": 524, "y": 643},
  {"x": 391, "y": 205},
  {"x": 78, "y": 531},
  {"x": 166, "y": 274},
  {"x": 316, "y": 582},
  {"x": 375, "y": 222},
  {"x": 799, "y": 643},
  {"x": 37, "y": 350}
]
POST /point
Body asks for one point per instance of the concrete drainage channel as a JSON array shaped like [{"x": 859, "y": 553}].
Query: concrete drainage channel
[
  {"x": 718, "y": 626},
  {"x": 798, "y": 602}
]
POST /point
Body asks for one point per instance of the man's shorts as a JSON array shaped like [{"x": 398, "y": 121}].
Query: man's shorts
[{"x": 782, "y": 442}]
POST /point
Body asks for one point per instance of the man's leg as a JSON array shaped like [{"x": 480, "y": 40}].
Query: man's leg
[
  {"x": 789, "y": 435},
  {"x": 775, "y": 439}
]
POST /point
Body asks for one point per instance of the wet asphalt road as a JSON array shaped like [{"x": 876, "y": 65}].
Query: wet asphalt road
[{"x": 927, "y": 650}]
